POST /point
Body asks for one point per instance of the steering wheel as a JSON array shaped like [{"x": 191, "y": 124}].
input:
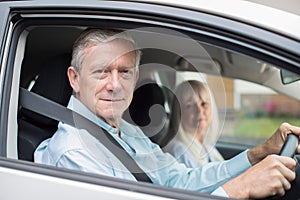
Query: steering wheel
[
  {"x": 290, "y": 146},
  {"x": 288, "y": 149}
]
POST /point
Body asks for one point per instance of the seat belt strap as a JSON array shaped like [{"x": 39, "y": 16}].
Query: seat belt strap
[{"x": 53, "y": 110}]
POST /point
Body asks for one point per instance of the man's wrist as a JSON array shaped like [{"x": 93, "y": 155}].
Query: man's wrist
[
  {"x": 235, "y": 188},
  {"x": 256, "y": 154}
]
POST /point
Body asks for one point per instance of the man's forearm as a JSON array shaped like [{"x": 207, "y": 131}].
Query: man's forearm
[
  {"x": 256, "y": 154},
  {"x": 271, "y": 146}
]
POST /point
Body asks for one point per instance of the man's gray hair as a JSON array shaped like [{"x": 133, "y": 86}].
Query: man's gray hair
[{"x": 95, "y": 36}]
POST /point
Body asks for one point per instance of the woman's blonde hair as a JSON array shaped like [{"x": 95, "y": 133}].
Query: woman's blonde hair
[{"x": 198, "y": 150}]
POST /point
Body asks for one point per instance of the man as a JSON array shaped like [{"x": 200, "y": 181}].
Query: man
[{"x": 103, "y": 74}]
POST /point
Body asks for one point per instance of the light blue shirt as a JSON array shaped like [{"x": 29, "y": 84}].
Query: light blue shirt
[
  {"x": 77, "y": 149},
  {"x": 184, "y": 155}
]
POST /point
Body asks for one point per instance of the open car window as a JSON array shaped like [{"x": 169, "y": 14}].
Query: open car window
[{"x": 247, "y": 91}]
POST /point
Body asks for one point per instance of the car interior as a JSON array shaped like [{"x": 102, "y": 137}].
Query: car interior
[
  {"x": 36, "y": 75},
  {"x": 33, "y": 127},
  {"x": 44, "y": 73},
  {"x": 47, "y": 57}
]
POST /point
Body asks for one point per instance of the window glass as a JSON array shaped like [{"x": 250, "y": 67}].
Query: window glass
[{"x": 253, "y": 112}]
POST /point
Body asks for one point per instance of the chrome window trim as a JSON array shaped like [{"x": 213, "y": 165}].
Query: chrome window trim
[
  {"x": 5, "y": 55},
  {"x": 12, "y": 128},
  {"x": 3, "y": 71}
]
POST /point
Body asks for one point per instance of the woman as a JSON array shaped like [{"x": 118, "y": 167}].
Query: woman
[{"x": 193, "y": 110}]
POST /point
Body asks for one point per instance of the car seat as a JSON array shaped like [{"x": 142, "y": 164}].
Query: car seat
[
  {"x": 147, "y": 110},
  {"x": 52, "y": 83}
]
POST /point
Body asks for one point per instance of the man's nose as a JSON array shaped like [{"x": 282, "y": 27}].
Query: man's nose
[{"x": 114, "y": 80}]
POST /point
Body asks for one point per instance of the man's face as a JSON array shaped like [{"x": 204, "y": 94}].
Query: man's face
[{"x": 107, "y": 79}]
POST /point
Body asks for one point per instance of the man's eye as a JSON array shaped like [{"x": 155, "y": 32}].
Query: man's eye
[
  {"x": 126, "y": 73},
  {"x": 98, "y": 71},
  {"x": 101, "y": 73}
]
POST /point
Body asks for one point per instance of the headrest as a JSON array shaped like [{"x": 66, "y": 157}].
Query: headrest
[
  {"x": 52, "y": 83},
  {"x": 147, "y": 110},
  {"x": 144, "y": 98}
]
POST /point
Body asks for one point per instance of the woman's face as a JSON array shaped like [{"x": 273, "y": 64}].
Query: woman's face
[{"x": 196, "y": 112}]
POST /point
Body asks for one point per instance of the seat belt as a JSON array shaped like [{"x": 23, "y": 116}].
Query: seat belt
[{"x": 53, "y": 110}]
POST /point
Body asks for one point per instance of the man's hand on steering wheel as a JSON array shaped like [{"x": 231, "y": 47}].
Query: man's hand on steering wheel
[
  {"x": 271, "y": 174},
  {"x": 274, "y": 144}
]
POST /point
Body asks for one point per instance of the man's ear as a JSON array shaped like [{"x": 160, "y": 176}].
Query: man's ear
[{"x": 73, "y": 78}]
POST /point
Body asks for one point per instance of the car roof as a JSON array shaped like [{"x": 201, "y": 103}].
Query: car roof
[
  {"x": 255, "y": 14},
  {"x": 258, "y": 15}
]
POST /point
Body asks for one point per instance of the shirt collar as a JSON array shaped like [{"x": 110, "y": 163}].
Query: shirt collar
[{"x": 75, "y": 105}]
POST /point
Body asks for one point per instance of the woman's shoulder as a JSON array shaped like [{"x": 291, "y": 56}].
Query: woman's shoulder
[{"x": 175, "y": 147}]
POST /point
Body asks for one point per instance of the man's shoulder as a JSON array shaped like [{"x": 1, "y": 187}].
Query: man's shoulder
[{"x": 65, "y": 139}]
